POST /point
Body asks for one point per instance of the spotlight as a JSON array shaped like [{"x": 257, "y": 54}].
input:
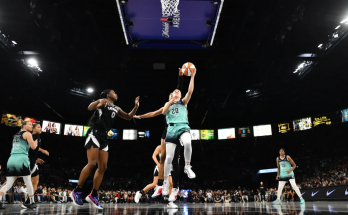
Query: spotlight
[
  {"x": 337, "y": 27},
  {"x": 124, "y": 1},
  {"x": 14, "y": 43},
  {"x": 247, "y": 91},
  {"x": 321, "y": 45},
  {"x": 343, "y": 21},
  {"x": 90, "y": 90},
  {"x": 214, "y": 2},
  {"x": 335, "y": 35},
  {"x": 209, "y": 23},
  {"x": 130, "y": 24},
  {"x": 32, "y": 62}
]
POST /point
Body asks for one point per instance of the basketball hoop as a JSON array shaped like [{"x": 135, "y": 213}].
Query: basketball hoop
[{"x": 169, "y": 7}]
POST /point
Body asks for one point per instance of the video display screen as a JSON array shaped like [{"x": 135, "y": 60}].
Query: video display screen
[
  {"x": 262, "y": 130},
  {"x": 284, "y": 127},
  {"x": 143, "y": 134},
  {"x": 302, "y": 124},
  {"x": 85, "y": 129},
  {"x": 113, "y": 134},
  {"x": 51, "y": 127},
  {"x": 344, "y": 115},
  {"x": 244, "y": 132},
  {"x": 321, "y": 120},
  {"x": 207, "y": 134},
  {"x": 195, "y": 134},
  {"x": 226, "y": 133},
  {"x": 186, "y": 193},
  {"x": 32, "y": 120},
  {"x": 73, "y": 130},
  {"x": 130, "y": 134},
  {"x": 11, "y": 120}
]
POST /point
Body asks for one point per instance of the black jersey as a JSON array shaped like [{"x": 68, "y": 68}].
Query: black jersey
[
  {"x": 106, "y": 117},
  {"x": 33, "y": 153}
]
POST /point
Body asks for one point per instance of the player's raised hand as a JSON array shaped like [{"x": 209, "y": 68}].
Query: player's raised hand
[{"x": 137, "y": 101}]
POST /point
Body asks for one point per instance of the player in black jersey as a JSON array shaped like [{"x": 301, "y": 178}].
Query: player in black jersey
[
  {"x": 33, "y": 156},
  {"x": 158, "y": 189},
  {"x": 105, "y": 113}
]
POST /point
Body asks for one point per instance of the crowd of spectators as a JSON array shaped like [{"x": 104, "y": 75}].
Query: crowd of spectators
[{"x": 219, "y": 165}]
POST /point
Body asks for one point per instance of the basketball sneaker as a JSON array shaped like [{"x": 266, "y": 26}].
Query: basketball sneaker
[
  {"x": 76, "y": 198},
  {"x": 171, "y": 205},
  {"x": 94, "y": 201},
  {"x": 276, "y": 202},
  {"x": 174, "y": 194},
  {"x": 189, "y": 172},
  {"x": 302, "y": 201},
  {"x": 158, "y": 191},
  {"x": 165, "y": 190},
  {"x": 137, "y": 197}
]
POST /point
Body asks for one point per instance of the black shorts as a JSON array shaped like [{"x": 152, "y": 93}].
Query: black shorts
[
  {"x": 97, "y": 138},
  {"x": 164, "y": 134},
  {"x": 34, "y": 168}
]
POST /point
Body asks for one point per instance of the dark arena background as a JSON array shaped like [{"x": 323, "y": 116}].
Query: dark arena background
[{"x": 270, "y": 75}]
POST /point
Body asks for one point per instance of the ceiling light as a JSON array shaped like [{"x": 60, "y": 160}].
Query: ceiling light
[
  {"x": 343, "y": 21},
  {"x": 321, "y": 45},
  {"x": 14, "y": 42},
  {"x": 32, "y": 62},
  {"x": 247, "y": 91},
  {"x": 337, "y": 27},
  {"x": 90, "y": 90}
]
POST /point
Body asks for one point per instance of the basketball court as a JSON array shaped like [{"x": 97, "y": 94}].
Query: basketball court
[{"x": 187, "y": 208}]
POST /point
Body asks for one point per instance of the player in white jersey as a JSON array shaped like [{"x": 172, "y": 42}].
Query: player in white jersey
[{"x": 139, "y": 194}]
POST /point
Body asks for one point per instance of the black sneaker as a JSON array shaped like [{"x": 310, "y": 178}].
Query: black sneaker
[{"x": 2, "y": 205}]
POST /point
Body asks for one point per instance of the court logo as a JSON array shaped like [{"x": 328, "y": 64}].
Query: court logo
[
  {"x": 329, "y": 193},
  {"x": 313, "y": 194},
  {"x": 303, "y": 193},
  {"x": 346, "y": 193}
]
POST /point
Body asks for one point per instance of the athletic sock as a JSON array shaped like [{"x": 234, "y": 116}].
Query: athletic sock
[
  {"x": 94, "y": 193},
  {"x": 78, "y": 188},
  {"x": 32, "y": 200},
  {"x": 160, "y": 182}
]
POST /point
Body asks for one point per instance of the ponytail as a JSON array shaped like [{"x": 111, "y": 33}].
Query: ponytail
[{"x": 93, "y": 119}]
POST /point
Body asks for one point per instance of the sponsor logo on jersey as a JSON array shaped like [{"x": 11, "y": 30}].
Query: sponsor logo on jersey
[
  {"x": 313, "y": 194},
  {"x": 329, "y": 193}
]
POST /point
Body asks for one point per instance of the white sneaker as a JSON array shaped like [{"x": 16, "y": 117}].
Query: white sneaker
[
  {"x": 171, "y": 205},
  {"x": 158, "y": 191},
  {"x": 189, "y": 172},
  {"x": 172, "y": 211},
  {"x": 165, "y": 190},
  {"x": 174, "y": 194},
  {"x": 137, "y": 197}
]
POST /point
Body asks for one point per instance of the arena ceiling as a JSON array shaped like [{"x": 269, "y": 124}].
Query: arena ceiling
[{"x": 80, "y": 44}]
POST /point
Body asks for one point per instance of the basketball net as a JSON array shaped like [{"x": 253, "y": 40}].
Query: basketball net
[{"x": 169, "y": 7}]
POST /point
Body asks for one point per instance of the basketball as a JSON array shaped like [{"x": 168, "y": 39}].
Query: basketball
[{"x": 188, "y": 68}]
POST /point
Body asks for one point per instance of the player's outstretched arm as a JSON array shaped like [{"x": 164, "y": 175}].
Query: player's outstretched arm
[
  {"x": 187, "y": 98},
  {"x": 129, "y": 116},
  {"x": 150, "y": 114}
]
